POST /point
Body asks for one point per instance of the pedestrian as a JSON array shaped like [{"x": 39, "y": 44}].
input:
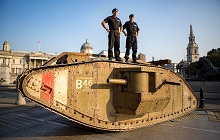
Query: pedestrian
[
  {"x": 132, "y": 34},
  {"x": 114, "y": 23}
]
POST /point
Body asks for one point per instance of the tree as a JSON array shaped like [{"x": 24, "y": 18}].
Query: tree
[
  {"x": 191, "y": 71},
  {"x": 214, "y": 56},
  {"x": 214, "y": 52}
]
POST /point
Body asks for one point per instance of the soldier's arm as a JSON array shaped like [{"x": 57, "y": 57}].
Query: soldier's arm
[
  {"x": 104, "y": 26},
  {"x": 121, "y": 29},
  {"x": 124, "y": 29},
  {"x": 138, "y": 32},
  {"x": 124, "y": 33}
]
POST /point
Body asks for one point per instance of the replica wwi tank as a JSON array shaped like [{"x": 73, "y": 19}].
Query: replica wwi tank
[{"x": 108, "y": 95}]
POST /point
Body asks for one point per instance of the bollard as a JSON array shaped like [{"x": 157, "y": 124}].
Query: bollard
[
  {"x": 201, "y": 100},
  {"x": 20, "y": 99}
]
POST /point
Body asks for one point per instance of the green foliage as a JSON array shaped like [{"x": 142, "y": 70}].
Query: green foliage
[
  {"x": 214, "y": 52},
  {"x": 214, "y": 57},
  {"x": 191, "y": 71}
]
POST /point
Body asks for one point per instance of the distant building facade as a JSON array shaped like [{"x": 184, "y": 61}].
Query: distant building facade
[
  {"x": 181, "y": 67},
  {"x": 13, "y": 63},
  {"x": 172, "y": 66}
]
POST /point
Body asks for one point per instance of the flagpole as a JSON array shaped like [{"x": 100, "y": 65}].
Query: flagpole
[{"x": 39, "y": 45}]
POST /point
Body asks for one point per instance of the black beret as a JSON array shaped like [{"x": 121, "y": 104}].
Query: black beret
[
  {"x": 114, "y": 10},
  {"x": 131, "y": 15}
]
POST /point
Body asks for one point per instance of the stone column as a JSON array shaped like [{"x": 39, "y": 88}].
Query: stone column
[
  {"x": 29, "y": 64},
  {"x": 34, "y": 63}
]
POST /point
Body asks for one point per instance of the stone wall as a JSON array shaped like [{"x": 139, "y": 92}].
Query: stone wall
[
  {"x": 4, "y": 73},
  {"x": 208, "y": 86}
]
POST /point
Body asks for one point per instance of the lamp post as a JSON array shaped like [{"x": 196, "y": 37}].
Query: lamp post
[{"x": 201, "y": 100}]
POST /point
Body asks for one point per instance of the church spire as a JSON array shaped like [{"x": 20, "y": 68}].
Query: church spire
[
  {"x": 191, "y": 35},
  {"x": 192, "y": 48},
  {"x": 191, "y": 30}
]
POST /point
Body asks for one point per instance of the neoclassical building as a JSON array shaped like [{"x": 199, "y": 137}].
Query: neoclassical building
[{"x": 12, "y": 63}]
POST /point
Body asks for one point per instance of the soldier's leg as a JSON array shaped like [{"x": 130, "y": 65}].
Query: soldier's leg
[
  {"x": 128, "y": 47},
  {"x": 111, "y": 40},
  {"x": 117, "y": 46},
  {"x": 134, "y": 50},
  {"x": 127, "y": 52}
]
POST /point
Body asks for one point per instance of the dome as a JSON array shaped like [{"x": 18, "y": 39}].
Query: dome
[
  {"x": 86, "y": 47},
  {"x": 6, "y": 43},
  {"x": 6, "y": 46}
]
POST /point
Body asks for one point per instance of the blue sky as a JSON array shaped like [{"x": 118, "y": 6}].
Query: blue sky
[{"x": 64, "y": 25}]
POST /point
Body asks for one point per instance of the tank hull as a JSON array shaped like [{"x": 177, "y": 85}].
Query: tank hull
[{"x": 144, "y": 94}]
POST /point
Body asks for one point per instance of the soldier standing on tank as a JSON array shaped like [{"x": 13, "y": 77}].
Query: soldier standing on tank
[
  {"x": 132, "y": 34},
  {"x": 114, "y": 24}
]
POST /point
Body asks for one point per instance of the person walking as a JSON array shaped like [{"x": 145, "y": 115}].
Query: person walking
[
  {"x": 114, "y": 24},
  {"x": 131, "y": 40}
]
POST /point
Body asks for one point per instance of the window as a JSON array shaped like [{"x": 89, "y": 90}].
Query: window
[
  {"x": 20, "y": 70},
  {"x": 189, "y": 51},
  {"x": 13, "y": 61},
  {"x": 20, "y": 61},
  {"x": 12, "y": 70},
  {"x": 195, "y": 56},
  {"x": 195, "y": 51},
  {"x": 4, "y": 61}
]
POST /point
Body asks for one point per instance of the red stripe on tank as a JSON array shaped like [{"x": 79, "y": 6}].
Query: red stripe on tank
[{"x": 47, "y": 88}]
